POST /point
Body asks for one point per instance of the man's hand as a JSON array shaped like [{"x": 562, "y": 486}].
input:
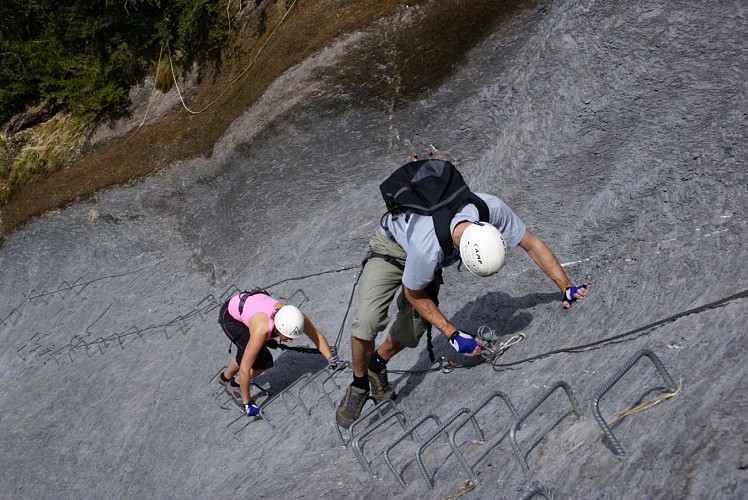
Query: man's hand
[
  {"x": 465, "y": 343},
  {"x": 574, "y": 293},
  {"x": 252, "y": 409}
]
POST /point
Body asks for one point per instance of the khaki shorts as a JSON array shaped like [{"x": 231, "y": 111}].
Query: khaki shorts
[{"x": 380, "y": 280}]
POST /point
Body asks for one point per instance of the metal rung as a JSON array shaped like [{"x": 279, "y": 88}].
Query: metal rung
[
  {"x": 179, "y": 325},
  {"x": 377, "y": 408},
  {"x": 218, "y": 392},
  {"x": 283, "y": 396},
  {"x": 206, "y": 305},
  {"x": 387, "y": 411},
  {"x": 227, "y": 403},
  {"x": 228, "y": 293},
  {"x": 400, "y": 438},
  {"x": 133, "y": 330},
  {"x": 455, "y": 450},
  {"x": 288, "y": 392},
  {"x": 517, "y": 423},
  {"x": 611, "y": 439},
  {"x": 35, "y": 294},
  {"x": 300, "y": 292},
  {"x": 81, "y": 343},
  {"x": 64, "y": 286},
  {"x": 328, "y": 375},
  {"x": 247, "y": 422},
  {"x": 101, "y": 342},
  {"x": 14, "y": 313},
  {"x": 79, "y": 283},
  {"x": 474, "y": 421},
  {"x": 539, "y": 489}
]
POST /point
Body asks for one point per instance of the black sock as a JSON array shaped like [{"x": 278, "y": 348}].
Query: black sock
[
  {"x": 377, "y": 363},
  {"x": 361, "y": 382}
]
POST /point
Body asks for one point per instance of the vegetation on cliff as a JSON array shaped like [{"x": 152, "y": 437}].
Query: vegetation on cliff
[{"x": 68, "y": 63}]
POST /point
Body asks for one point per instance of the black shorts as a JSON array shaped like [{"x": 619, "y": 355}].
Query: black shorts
[{"x": 238, "y": 333}]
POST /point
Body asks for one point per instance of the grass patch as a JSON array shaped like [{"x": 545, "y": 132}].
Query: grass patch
[
  {"x": 39, "y": 151},
  {"x": 164, "y": 78}
]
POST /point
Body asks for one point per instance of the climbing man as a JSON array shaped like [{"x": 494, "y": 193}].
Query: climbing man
[
  {"x": 408, "y": 253},
  {"x": 249, "y": 319}
]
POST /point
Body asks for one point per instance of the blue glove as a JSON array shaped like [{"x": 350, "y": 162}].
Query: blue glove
[
  {"x": 463, "y": 342},
  {"x": 252, "y": 409},
  {"x": 571, "y": 291}
]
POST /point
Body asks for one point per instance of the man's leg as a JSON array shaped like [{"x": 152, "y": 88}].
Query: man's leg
[
  {"x": 361, "y": 351},
  {"x": 389, "y": 347},
  {"x": 377, "y": 369},
  {"x": 380, "y": 281},
  {"x": 405, "y": 331}
]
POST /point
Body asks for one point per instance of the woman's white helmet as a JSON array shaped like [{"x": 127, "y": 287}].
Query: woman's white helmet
[
  {"x": 482, "y": 249},
  {"x": 289, "y": 321}
]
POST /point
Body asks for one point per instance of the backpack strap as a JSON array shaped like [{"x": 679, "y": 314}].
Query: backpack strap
[
  {"x": 483, "y": 214},
  {"x": 242, "y": 299},
  {"x": 443, "y": 217},
  {"x": 245, "y": 295}
]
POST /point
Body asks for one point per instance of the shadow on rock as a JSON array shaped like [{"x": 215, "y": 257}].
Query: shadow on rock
[
  {"x": 288, "y": 367},
  {"x": 504, "y": 314}
]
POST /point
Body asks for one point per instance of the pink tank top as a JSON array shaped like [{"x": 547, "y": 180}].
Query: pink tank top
[{"x": 254, "y": 304}]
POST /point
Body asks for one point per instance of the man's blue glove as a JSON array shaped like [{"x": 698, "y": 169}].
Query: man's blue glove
[
  {"x": 463, "y": 342},
  {"x": 571, "y": 291},
  {"x": 252, "y": 409}
]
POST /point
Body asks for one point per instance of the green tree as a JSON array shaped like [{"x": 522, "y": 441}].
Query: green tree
[{"x": 86, "y": 54}]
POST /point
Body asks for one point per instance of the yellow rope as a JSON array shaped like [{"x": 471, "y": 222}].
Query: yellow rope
[
  {"x": 644, "y": 406},
  {"x": 174, "y": 76},
  {"x": 467, "y": 486},
  {"x": 150, "y": 99}
]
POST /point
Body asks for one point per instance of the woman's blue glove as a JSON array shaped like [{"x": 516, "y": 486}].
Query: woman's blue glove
[
  {"x": 252, "y": 409},
  {"x": 463, "y": 342}
]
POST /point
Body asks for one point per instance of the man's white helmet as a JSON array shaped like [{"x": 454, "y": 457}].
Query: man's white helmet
[
  {"x": 289, "y": 321},
  {"x": 482, "y": 249}
]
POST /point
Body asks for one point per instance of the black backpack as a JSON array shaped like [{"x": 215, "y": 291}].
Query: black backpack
[{"x": 431, "y": 187}]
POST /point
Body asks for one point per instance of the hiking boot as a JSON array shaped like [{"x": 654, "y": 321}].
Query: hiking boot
[
  {"x": 235, "y": 392},
  {"x": 380, "y": 386},
  {"x": 350, "y": 408}
]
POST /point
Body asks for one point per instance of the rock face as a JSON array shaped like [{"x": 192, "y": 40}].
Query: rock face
[{"x": 615, "y": 130}]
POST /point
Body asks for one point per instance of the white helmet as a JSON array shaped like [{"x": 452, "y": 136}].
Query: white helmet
[
  {"x": 482, "y": 249},
  {"x": 289, "y": 321}
]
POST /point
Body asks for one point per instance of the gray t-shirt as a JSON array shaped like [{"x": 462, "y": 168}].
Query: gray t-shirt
[{"x": 415, "y": 233}]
